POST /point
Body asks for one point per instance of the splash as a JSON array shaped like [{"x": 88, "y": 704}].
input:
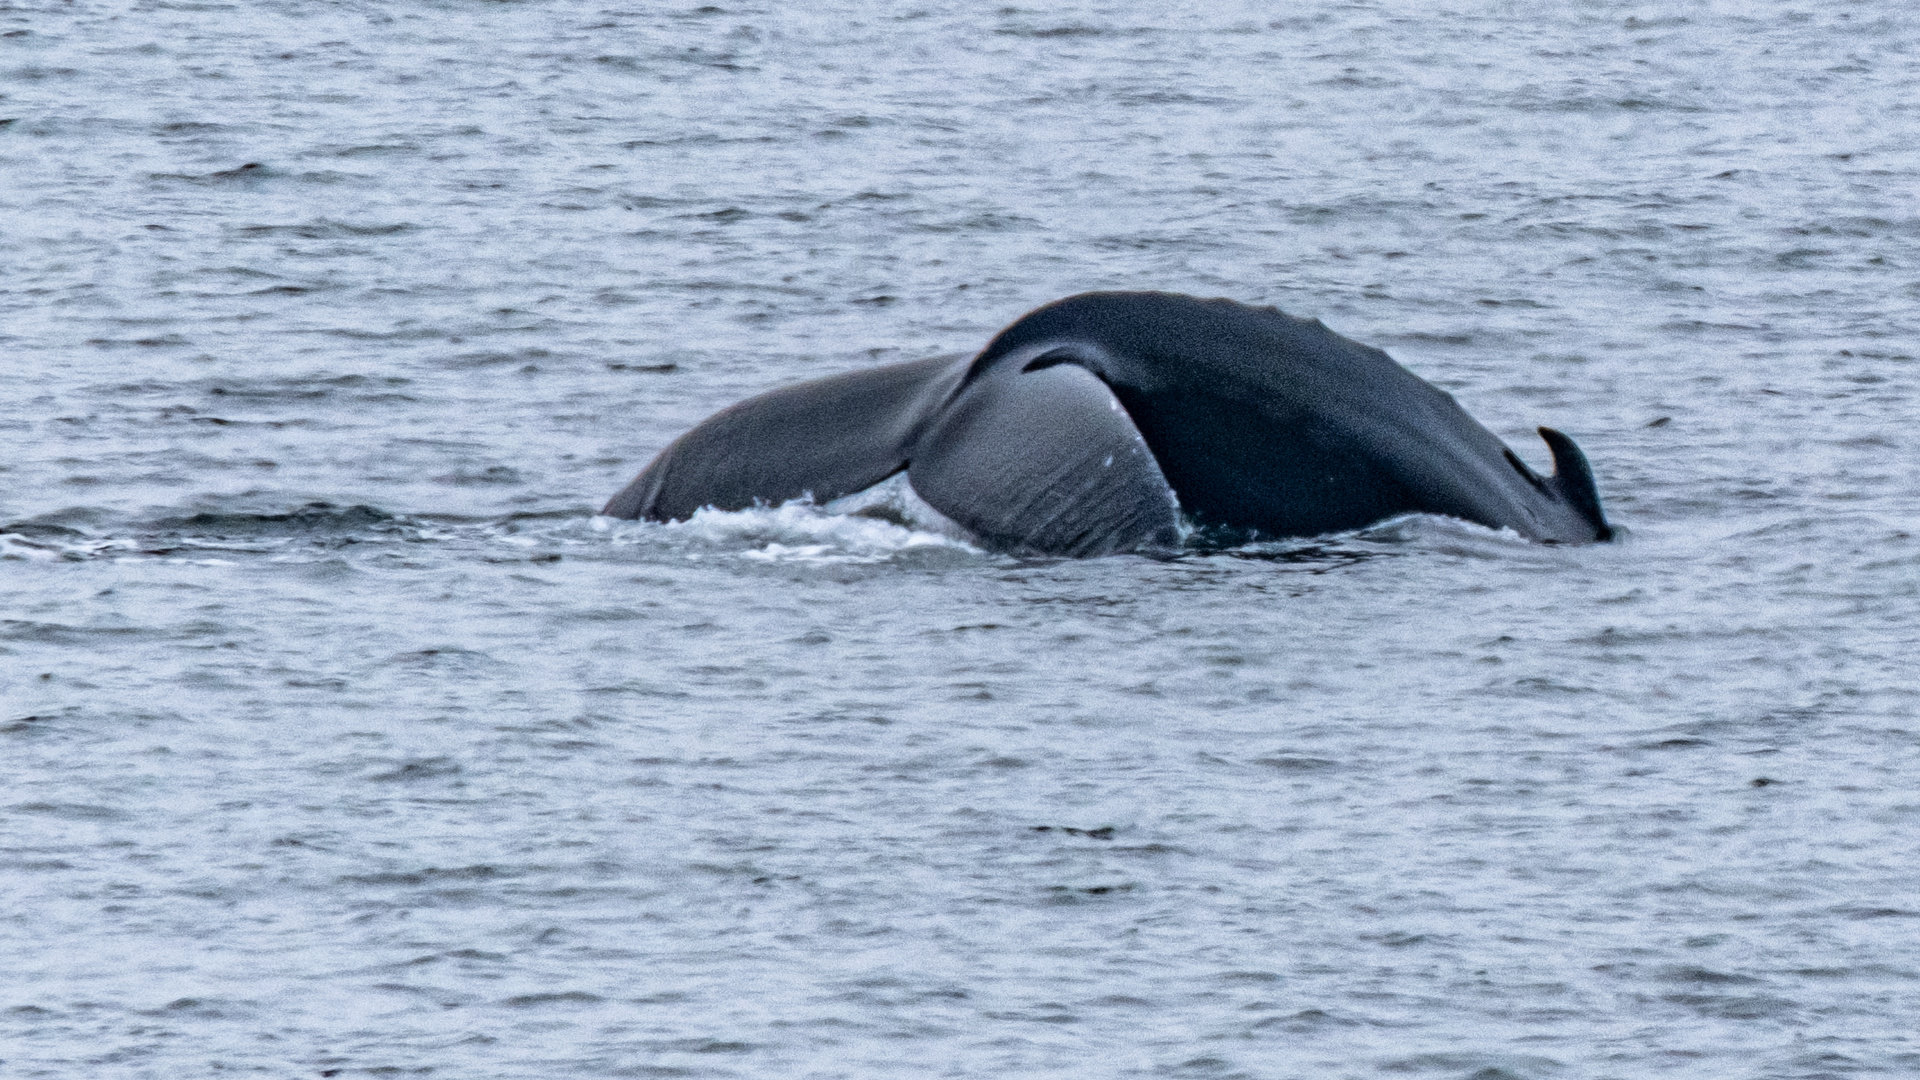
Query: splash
[{"x": 882, "y": 524}]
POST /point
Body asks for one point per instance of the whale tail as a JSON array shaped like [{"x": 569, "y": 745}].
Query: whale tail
[
  {"x": 1115, "y": 421},
  {"x": 1572, "y": 482}
]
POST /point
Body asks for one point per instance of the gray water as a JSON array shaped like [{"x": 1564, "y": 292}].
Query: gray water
[{"x": 339, "y": 738}]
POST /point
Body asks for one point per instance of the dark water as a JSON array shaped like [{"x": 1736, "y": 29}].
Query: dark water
[{"x": 339, "y": 737}]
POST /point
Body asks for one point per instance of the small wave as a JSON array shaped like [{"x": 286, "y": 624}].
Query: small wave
[
  {"x": 885, "y": 523},
  {"x": 1452, "y": 536},
  {"x": 323, "y": 228},
  {"x": 249, "y": 173},
  {"x": 879, "y": 526},
  {"x": 799, "y": 532},
  {"x": 312, "y": 519},
  {"x": 38, "y": 541},
  {"x": 1403, "y": 535},
  {"x": 313, "y": 525}
]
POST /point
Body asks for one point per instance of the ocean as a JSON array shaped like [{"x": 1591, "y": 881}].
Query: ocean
[{"x": 340, "y": 737}]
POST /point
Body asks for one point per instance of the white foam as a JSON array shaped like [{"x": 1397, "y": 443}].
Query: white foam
[
  {"x": 874, "y": 525},
  {"x": 19, "y": 547}
]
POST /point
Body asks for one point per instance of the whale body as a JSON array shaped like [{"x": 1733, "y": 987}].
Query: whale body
[{"x": 1131, "y": 421}]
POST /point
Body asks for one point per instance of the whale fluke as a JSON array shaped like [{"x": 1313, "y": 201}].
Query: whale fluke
[{"x": 1106, "y": 422}]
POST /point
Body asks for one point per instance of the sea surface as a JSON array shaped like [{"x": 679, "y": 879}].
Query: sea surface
[{"x": 340, "y": 737}]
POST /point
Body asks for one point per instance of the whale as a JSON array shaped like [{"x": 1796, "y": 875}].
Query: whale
[{"x": 1143, "y": 422}]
